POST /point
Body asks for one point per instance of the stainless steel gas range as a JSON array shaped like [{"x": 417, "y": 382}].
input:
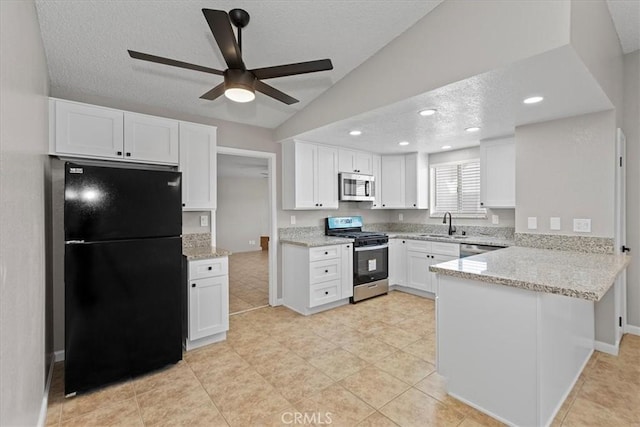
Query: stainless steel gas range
[{"x": 370, "y": 256}]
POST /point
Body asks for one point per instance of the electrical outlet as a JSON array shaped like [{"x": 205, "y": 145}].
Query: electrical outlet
[
  {"x": 554, "y": 223},
  {"x": 204, "y": 221},
  {"x": 582, "y": 225},
  {"x": 252, "y": 242},
  {"x": 293, "y": 220},
  {"x": 495, "y": 219},
  {"x": 532, "y": 223},
  {"x": 400, "y": 217}
]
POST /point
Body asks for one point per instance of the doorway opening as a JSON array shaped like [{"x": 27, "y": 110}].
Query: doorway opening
[{"x": 246, "y": 225}]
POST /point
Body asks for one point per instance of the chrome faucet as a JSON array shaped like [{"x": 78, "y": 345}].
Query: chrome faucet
[{"x": 452, "y": 229}]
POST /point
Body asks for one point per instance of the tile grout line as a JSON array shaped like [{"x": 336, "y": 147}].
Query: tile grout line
[{"x": 208, "y": 395}]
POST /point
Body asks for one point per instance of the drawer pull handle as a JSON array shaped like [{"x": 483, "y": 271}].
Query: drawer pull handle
[
  {"x": 209, "y": 268},
  {"x": 372, "y": 286}
]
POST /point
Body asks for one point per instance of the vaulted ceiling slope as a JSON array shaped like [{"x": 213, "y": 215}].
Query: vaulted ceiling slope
[
  {"x": 86, "y": 45},
  {"x": 626, "y": 17}
]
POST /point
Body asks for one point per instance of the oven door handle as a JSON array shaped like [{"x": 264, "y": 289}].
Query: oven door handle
[{"x": 371, "y": 248}]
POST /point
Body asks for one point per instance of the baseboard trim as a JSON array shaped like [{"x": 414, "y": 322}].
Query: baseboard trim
[
  {"x": 606, "y": 348},
  {"x": 42, "y": 418},
  {"x": 631, "y": 329},
  {"x": 58, "y": 355}
]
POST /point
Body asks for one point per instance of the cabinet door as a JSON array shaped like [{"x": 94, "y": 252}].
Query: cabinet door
[
  {"x": 208, "y": 306},
  {"x": 363, "y": 162},
  {"x": 305, "y": 164},
  {"x": 393, "y": 182},
  {"x": 198, "y": 166},
  {"x": 346, "y": 160},
  {"x": 347, "y": 271},
  {"x": 150, "y": 139},
  {"x": 397, "y": 262},
  {"x": 498, "y": 173},
  {"x": 88, "y": 131},
  {"x": 437, "y": 259},
  {"x": 418, "y": 275},
  {"x": 327, "y": 177},
  {"x": 376, "y": 161}
]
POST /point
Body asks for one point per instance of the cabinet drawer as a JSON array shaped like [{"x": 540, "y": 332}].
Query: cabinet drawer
[
  {"x": 324, "y": 293},
  {"x": 419, "y": 246},
  {"x": 324, "y": 252},
  {"x": 451, "y": 249},
  {"x": 208, "y": 268},
  {"x": 323, "y": 271}
]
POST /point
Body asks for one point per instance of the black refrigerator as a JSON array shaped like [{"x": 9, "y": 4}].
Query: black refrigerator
[{"x": 123, "y": 273}]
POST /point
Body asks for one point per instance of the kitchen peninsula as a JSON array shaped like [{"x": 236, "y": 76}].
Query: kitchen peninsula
[{"x": 515, "y": 327}]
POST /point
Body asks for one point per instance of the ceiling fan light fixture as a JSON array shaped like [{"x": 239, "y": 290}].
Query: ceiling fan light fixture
[{"x": 239, "y": 85}]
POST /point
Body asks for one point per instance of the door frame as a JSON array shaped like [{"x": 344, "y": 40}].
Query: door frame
[
  {"x": 620, "y": 238},
  {"x": 273, "y": 214}
]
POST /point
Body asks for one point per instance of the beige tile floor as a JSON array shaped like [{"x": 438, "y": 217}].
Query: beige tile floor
[
  {"x": 370, "y": 364},
  {"x": 248, "y": 280}
]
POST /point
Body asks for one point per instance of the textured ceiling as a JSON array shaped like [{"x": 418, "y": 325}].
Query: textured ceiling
[
  {"x": 230, "y": 166},
  {"x": 86, "y": 45},
  {"x": 491, "y": 101},
  {"x": 626, "y": 18}
]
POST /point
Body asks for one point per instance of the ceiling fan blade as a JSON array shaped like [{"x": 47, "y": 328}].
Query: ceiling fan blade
[
  {"x": 220, "y": 25},
  {"x": 293, "y": 69},
  {"x": 274, "y": 93},
  {"x": 214, "y": 93},
  {"x": 172, "y": 62}
]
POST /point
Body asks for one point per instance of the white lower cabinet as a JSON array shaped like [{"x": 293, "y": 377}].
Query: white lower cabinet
[
  {"x": 317, "y": 278},
  {"x": 409, "y": 262},
  {"x": 208, "y": 302}
]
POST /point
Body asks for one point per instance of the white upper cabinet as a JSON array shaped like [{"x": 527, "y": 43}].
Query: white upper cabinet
[
  {"x": 355, "y": 161},
  {"x": 393, "y": 182},
  {"x": 498, "y": 173},
  {"x": 309, "y": 176},
  {"x": 198, "y": 166},
  {"x": 87, "y": 130},
  {"x": 150, "y": 139},
  {"x": 377, "y": 182},
  {"x": 416, "y": 181}
]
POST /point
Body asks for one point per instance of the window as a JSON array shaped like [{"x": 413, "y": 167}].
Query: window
[{"x": 455, "y": 188}]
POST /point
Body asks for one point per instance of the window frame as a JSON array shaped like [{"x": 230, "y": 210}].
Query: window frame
[{"x": 480, "y": 214}]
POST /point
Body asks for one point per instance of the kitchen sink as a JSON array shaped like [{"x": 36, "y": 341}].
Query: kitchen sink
[{"x": 443, "y": 236}]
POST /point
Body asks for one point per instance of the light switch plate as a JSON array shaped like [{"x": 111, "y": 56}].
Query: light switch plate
[
  {"x": 582, "y": 225},
  {"x": 532, "y": 223},
  {"x": 400, "y": 217},
  {"x": 495, "y": 219},
  {"x": 293, "y": 219},
  {"x": 554, "y": 223},
  {"x": 204, "y": 220}
]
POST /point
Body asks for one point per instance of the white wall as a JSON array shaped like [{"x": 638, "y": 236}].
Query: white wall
[
  {"x": 565, "y": 168},
  {"x": 457, "y": 40},
  {"x": 242, "y": 214},
  {"x": 631, "y": 128},
  {"x": 23, "y": 147}
]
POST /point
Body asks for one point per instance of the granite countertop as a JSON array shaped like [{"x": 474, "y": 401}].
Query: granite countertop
[
  {"x": 574, "y": 274},
  {"x": 313, "y": 241},
  {"x": 474, "y": 240},
  {"x": 204, "y": 252}
]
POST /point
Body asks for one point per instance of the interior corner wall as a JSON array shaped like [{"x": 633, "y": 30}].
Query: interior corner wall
[
  {"x": 631, "y": 129},
  {"x": 243, "y": 213},
  {"x": 565, "y": 168},
  {"x": 595, "y": 40},
  {"x": 24, "y": 121}
]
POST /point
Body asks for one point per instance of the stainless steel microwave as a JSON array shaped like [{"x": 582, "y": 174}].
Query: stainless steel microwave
[{"x": 356, "y": 187}]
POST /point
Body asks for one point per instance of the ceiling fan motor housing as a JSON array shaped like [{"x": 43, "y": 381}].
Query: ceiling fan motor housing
[{"x": 239, "y": 79}]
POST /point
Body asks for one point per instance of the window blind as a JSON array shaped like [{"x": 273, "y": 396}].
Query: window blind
[{"x": 456, "y": 188}]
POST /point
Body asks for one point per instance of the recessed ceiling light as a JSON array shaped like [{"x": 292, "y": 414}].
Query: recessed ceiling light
[
  {"x": 472, "y": 129},
  {"x": 533, "y": 100},
  {"x": 403, "y": 143},
  {"x": 355, "y": 132},
  {"x": 446, "y": 147},
  {"x": 429, "y": 112}
]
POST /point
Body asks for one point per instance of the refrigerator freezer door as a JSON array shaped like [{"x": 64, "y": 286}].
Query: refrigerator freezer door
[
  {"x": 103, "y": 203},
  {"x": 123, "y": 313}
]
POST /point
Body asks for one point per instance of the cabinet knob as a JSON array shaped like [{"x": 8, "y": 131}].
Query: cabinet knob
[
  {"x": 326, "y": 253},
  {"x": 119, "y": 153},
  {"x": 383, "y": 205},
  {"x": 403, "y": 241},
  {"x": 193, "y": 285},
  {"x": 326, "y": 271},
  {"x": 481, "y": 203},
  {"x": 326, "y": 292},
  {"x": 128, "y": 154},
  {"x": 414, "y": 205},
  {"x": 209, "y": 268},
  {"x": 184, "y": 204},
  {"x": 348, "y": 246},
  {"x": 320, "y": 204}
]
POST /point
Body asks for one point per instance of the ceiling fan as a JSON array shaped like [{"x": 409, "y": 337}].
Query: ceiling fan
[{"x": 239, "y": 83}]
